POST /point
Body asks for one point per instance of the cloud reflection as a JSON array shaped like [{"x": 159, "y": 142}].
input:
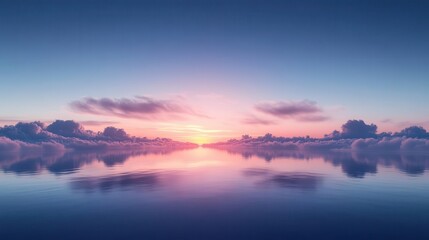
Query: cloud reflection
[
  {"x": 353, "y": 164},
  {"x": 70, "y": 162},
  {"x": 147, "y": 180},
  {"x": 294, "y": 180}
]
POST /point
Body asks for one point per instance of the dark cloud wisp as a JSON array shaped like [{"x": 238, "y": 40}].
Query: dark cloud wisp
[
  {"x": 298, "y": 110},
  {"x": 253, "y": 120},
  {"x": 139, "y": 107}
]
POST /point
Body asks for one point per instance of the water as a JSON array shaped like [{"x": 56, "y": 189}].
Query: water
[{"x": 214, "y": 194}]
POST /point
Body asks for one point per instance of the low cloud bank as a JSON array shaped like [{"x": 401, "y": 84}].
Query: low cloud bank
[
  {"x": 355, "y": 135},
  {"x": 62, "y": 135}
]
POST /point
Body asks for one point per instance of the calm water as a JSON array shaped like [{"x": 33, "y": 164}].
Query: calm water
[{"x": 214, "y": 194}]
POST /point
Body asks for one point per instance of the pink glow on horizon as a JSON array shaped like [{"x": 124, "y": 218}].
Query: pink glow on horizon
[{"x": 221, "y": 118}]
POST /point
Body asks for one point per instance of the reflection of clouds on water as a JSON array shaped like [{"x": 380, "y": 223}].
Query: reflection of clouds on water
[
  {"x": 409, "y": 163},
  {"x": 28, "y": 166},
  {"x": 114, "y": 159},
  {"x": 413, "y": 164},
  {"x": 353, "y": 164},
  {"x": 358, "y": 169},
  {"x": 147, "y": 180},
  {"x": 265, "y": 154},
  {"x": 33, "y": 162},
  {"x": 294, "y": 180}
]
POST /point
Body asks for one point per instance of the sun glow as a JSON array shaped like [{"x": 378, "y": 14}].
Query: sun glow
[
  {"x": 194, "y": 133},
  {"x": 200, "y": 139}
]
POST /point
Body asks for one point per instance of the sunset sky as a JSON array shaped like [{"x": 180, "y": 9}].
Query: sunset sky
[{"x": 205, "y": 71}]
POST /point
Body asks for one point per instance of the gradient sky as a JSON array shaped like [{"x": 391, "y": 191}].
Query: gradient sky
[{"x": 230, "y": 67}]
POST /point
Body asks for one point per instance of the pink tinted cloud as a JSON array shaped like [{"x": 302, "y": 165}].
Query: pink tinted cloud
[
  {"x": 305, "y": 110},
  {"x": 313, "y": 118},
  {"x": 97, "y": 123},
  {"x": 139, "y": 107},
  {"x": 254, "y": 120}
]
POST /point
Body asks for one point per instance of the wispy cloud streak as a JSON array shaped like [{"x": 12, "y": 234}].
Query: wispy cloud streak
[
  {"x": 139, "y": 107},
  {"x": 299, "y": 110},
  {"x": 253, "y": 120}
]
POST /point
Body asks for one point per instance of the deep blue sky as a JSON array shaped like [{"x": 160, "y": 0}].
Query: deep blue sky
[{"x": 369, "y": 59}]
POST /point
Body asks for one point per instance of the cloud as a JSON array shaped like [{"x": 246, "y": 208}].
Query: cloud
[
  {"x": 8, "y": 146},
  {"x": 313, "y": 118},
  {"x": 413, "y": 123},
  {"x": 299, "y": 110},
  {"x": 356, "y": 135},
  {"x": 115, "y": 134},
  {"x": 14, "y": 149},
  {"x": 33, "y": 131},
  {"x": 139, "y": 107},
  {"x": 358, "y": 129},
  {"x": 58, "y": 131},
  {"x": 288, "y": 108},
  {"x": 386, "y": 120},
  {"x": 413, "y": 132},
  {"x": 97, "y": 123},
  {"x": 354, "y": 129},
  {"x": 68, "y": 128},
  {"x": 322, "y": 145},
  {"x": 253, "y": 120},
  {"x": 415, "y": 145},
  {"x": 268, "y": 141},
  {"x": 385, "y": 144},
  {"x": 371, "y": 144},
  {"x": 68, "y": 134}
]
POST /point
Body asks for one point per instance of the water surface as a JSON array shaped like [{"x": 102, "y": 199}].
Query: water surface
[{"x": 213, "y": 194}]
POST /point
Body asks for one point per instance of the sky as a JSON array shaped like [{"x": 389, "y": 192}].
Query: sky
[{"x": 205, "y": 71}]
